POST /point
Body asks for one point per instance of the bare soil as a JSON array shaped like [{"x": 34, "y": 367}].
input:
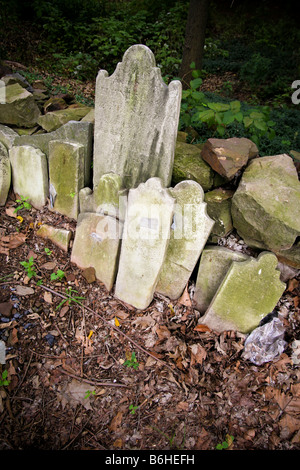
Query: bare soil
[{"x": 96, "y": 374}]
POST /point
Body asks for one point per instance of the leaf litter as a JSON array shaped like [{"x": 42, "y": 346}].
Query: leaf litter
[{"x": 113, "y": 377}]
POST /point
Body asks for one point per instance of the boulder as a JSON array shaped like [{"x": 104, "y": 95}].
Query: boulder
[
  {"x": 228, "y": 156},
  {"x": 266, "y": 205},
  {"x": 55, "y": 119},
  {"x": 5, "y": 174},
  {"x": 7, "y": 136},
  {"x": 19, "y": 108}
]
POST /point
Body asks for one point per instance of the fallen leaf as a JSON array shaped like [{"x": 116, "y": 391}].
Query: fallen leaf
[
  {"x": 23, "y": 290},
  {"x": 11, "y": 242},
  {"x": 293, "y": 284},
  {"x": 116, "y": 421},
  {"x": 48, "y": 297},
  {"x": 50, "y": 265},
  {"x": 198, "y": 354},
  {"x": 117, "y": 323},
  {"x": 10, "y": 211},
  {"x": 185, "y": 298},
  {"x": 201, "y": 328}
]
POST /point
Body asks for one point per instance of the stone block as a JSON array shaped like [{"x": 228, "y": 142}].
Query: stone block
[
  {"x": 145, "y": 239},
  {"x": 5, "y": 174},
  {"x": 55, "y": 119},
  {"x": 19, "y": 107},
  {"x": 219, "y": 209},
  {"x": 136, "y": 120},
  {"x": 249, "y": 291},
  {"x": 96, "y": 245},
  {"x": 30, "y": 174},
  {"x": 214, "y": 264},
  {"x": 7, "y": 136},
  {"x": 59, "y": 236},
  {"x": 189, "y": 233}
]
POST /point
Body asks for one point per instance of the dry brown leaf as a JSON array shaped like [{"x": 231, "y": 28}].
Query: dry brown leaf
[
  {"x": 48, "y": 297},
  {"x": 116, "y": 421},
  {"x": 185, "y": 298},
  {"x": 201, "y": 328},
  {"x": 10, "y": 211},
  {"x": 10, "y": 242},
  {"x": 198, "y": 354}
]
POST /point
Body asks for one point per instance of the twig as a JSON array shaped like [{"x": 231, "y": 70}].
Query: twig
[
  {"x": 93, "y": 382},
  {"x": 113, "y": 327}
]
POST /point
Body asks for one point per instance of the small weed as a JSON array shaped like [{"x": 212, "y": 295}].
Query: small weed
[
  {"x": 3, "y": 379},
  {"x": 71, "y": 298},
  {"x": 59, "y": 275},
  {"x": 29, "y": 267},
  {"x": 23, "y": 204},
  {"x": 131, "y": 361},
  {"x": 225, "y": 444},
  {"x": 88, "y": 393},
  {"x": 133, "y": 409},
  {"x": 48, "y": 252}
]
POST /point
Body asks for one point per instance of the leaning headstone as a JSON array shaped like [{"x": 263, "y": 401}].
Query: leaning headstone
[
  {"x": 66, "y": 173},
  {"x": 145, "y": 239},
  {"x": 189, "y": 232},
  {"x": 96, "y": 245},
  {"x": 19, "y": 108},
  {"x": 266, "y": 205},
  {"x": 136, "y": 120},
  {"x": 30, "y": 174},
  {"x": 249, "y": 291},
  {"x": 5, "y": 174},
  {"x": 74, "y": 132},
  {"x": 214, "y": 264},
  {"x": 59, "y": 236}
]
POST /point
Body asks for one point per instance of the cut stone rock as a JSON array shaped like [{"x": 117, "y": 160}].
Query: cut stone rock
[
  {"x": 145, "y": 239},
  {"x": 136, "y": 120},
  {"x": 55, "y": 119},
  {"x": 266, "y": 205},
  {"x": 219, "y": 209},
  {"x": 19, "y": 108},
  {"x": 5, "y": 174},
  {"x": 66, "y": 172},
  {"x": 189, "y": 232},
  {"x": 249, "y": 291},
  {"x": 7, "y": 136},
  {"x": 30, "y": 174},
  {"x": 60, "y": 237},
  {"x": 228, "y": 156},
  {"x": 96, "y": 245},
  {"x": 214, "y": 264}
]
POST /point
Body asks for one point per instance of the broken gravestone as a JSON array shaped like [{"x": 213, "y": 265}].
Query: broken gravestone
[
  {"x": 248, "y": 292},
  {"x": 5, "y": 174},
  {"x": 266, "y": 205},
  {"x": 66, "y": 173},
  {"x": 136, "y": 120},
  {"x": 145, "y": 239},
  {"x": 190, "y": 229},
  {"x": 19, "y": 107},
  {"x": 214, "y": 264},
  {"x": 228, "y": 156},
  {"x": 219, "y": 209},
  {"x": 96, "y": 245},
  {"x": 59, "y": 236},
  {"x": 7, "y": 136},
  {"x": 30, "y": 174}
]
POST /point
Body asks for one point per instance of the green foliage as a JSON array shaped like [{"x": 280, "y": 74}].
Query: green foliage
[
  {"x": 88, "y": 393},
  {"x": 29, "y": 267},
  {"x": 3, "y": 379},
  {"x": 70, "y": 298},
  {"x": 132, "y": 361},
  {"x": 59, "y": 275},
  {"x": 23, "y": 204},
  {"x": 225, "y": 444},
  {"x": 133, "y": 409}
]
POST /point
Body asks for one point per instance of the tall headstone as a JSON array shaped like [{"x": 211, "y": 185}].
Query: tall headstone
[
  {"x": 136, "y": 121},
  {"x": 145, "y": 239},
  {"x": 5, "y": 174},
  {"x": 189, "y": 232}
]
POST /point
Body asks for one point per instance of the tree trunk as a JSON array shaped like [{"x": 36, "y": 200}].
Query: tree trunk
[{"x": 194, "y": 39}]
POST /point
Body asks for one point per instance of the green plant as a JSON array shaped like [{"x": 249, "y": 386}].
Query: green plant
[
  {"x": 88, "y": 393},
  {"x": 133, "y": 409},
  {"x": 58, "y": 275},
  {"x": 29, "y": 267},
  {"x": 23, "y": 204},
  {"x": 48, "y": 252},
  {"x": 225, "y": 444},
  {"x": 3, "y": 380},
  {"x": 132, "y": 361},
  {"x": 70, "y": 298}
]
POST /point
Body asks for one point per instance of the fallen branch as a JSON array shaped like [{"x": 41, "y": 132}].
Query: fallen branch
[{"x": 93, "y": 382}]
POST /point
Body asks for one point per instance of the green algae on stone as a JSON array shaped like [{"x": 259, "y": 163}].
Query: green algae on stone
[
  {"x": 219, "y": 209},
  {"x": 55, "y": 119},
  {"x": 19, "y": 107},
  {"x": 214, "y": 264},
  {"x": 249, "y": 291}
]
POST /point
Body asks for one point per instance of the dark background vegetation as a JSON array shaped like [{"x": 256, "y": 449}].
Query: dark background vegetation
[{"x": 251, "y": 46}]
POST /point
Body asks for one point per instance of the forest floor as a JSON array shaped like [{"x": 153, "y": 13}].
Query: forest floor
[{"x": 93, "y": 373}]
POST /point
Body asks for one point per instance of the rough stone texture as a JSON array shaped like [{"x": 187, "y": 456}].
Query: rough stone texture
[
  {"x": 30, "y": 174},
  {"x": 5, "y": 174},
  {"x": 290, "y": 257},
  {"x": 189, "y": 232},
  {"x": 73, "y": 131},
  {"x": 55, "y": 119},
  {"x": 228, "y": 156},
  {"x": 219, "y": 209},
  {"x": 266, "y": 205},
  {"x": 188, "y": 164},
  {"x": 96, "y": 245},
  {"x": 20, "y": 108},
  {"x": 59, "y": 236},
  {"x": 145, "y": 240},
  {"x": 66, "y": 172},
  {"x": 7, "y": 136},
  {"x": 214, "y": 264},
  {"x": 107, "y": 198},
  {"x": 249, "y": 291},
  {"x": 136, "y": 120}
]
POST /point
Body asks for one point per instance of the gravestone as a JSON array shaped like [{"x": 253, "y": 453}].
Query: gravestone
[
  {"x": 19, "y": 107},
  {"x": 66, "y": 173},
  {"x": 145, "y": 239},
  {"x": 96, "y": 245},
  {"x": 59, "y": 236},
  {"x": 30, "y": 174},
  {"x": 249, "y": 291},
  {"x": 5, "y": 174},
  {"x": 136, "y": 121},
  {"x": 7, "y": 136},
  {"x": 214, "y": 264},
  {"x": 189, "y": 232}
]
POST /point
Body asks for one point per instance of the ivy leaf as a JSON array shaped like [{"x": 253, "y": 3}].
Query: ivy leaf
[
  {"x": 205, "y": 116},
  {"x": 235, "y": 106},
  {"x": 218, "y": 107},
  {"x": 196, "y": 83},
  {"x": 247, "y": 121}
]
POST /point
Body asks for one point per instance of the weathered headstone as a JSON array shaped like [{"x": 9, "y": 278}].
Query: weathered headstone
[
  {"x": 5, "y": 174},
  {"x": 66, "y": 173},
  {"x": 136, "y": 120},
  {"x": 96, "y": 245},
  {"x": 189, "y": 232},
  {"x": 249, "y": 291},
  {"x": 19, "y": 108},
  {"x": 7, "y": 136},
  {"x": 59, "y": 236},
  {"x": 214, "y": 264},
  {"x": 145, "y": 239},
  {"x": 55, "y": 119},
  {"x": 266, "y": 205},
  {"x": 30, "y": 174}
]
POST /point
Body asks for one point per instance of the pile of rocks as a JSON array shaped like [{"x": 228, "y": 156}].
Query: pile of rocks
[{"x": 153, "y": 206}]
